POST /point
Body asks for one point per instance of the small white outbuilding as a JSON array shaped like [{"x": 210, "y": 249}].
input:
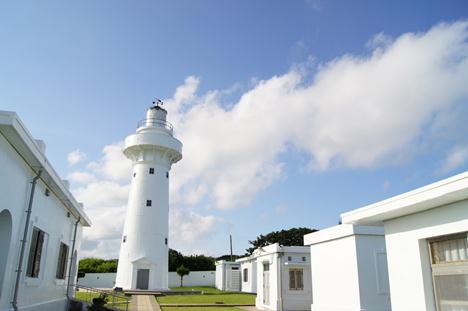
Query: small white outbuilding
[
  {"x": 228, "y": 276},
  {"x": 283, "y": 278},
  {"x": 426, "y": 235},
  {"x": 349, "y": 268},
  {"x": 248, "y": 268}
]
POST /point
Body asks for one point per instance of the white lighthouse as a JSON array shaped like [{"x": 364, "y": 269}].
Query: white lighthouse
[{"x": 143, "y": 260}]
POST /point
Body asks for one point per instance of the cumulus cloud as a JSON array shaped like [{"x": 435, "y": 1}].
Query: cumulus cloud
[
  {"x": 356, "y": 111},
  {"x": 455, "y": 158},
  {"x": 75, "y": 157}
]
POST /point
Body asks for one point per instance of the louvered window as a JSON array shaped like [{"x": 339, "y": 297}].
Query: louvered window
[
  {"x": 35, "y": 252},
  {"x": 296, "y": 279},
  {"x": 62, "y": 261},
  {"x": 449, "y": 255}
]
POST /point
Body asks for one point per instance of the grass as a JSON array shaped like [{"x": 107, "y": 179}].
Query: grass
[
  {"x": 200, "y": 309},
  {"x": 211, "y": 295},
  {"x": 119, "y": 302}
]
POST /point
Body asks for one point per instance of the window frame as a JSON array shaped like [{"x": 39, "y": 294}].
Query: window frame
[
  {"x": 36, "y": 250},
  {"x": 297, "y": 286},
  {"x": 62, "y": 261},
  {"x": 444, "y": 268}
]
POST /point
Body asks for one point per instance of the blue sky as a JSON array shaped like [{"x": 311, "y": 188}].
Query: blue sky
[{"x": 81, "y": 74}]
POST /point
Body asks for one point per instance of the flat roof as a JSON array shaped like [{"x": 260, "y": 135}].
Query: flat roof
[
  {"x": 443, "y": 192},
  {"x": 341, "y": 231},
  {"x": 16, "y": 133}
]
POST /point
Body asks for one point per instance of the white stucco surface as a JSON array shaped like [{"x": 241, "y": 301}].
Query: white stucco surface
[
  {"x": 228, "y": 276},
  {"x": 107, "y": 280},
  {"x": 273, "y": 292},
  {"x": 54, "y": 213},
  {"x": 248, "y": 264},
  {"x": 145, "y": 235},
  {"x": 409, "y": 221}
]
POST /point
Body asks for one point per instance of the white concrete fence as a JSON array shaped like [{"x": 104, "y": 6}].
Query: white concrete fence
[{"x": 107, "y": 280}]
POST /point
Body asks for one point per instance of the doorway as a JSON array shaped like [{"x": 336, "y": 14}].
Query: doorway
[
  {"x": 142, "y": 278},
  {"x": 266, "y": 283},
  {"x": 5, "y": 240}
]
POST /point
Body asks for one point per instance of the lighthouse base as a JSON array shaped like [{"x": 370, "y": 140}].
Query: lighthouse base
[{"x": 142, "y": 275}]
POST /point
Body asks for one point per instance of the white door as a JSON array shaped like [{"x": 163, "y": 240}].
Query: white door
[
  {"x": 266, "y": 283},
  {"x": 234, "y": 283}
]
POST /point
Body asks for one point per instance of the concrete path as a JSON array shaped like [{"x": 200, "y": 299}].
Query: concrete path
[{"x": 144, "y": 303}]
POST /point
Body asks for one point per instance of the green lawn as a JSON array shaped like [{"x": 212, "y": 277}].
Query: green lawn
[
  {"x": 200, "y": 309},
  {"x": 211, "y": 295}
]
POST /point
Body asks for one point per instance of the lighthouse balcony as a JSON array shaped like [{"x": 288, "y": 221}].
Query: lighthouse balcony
[{"x": 156, "y": 123}]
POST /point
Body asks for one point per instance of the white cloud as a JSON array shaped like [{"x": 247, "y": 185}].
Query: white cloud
[
  {"x": 455, "y": 158},
  {"x": 113, "y": 165},
  {"x": 356, "y": 112},
  {"x": 75, "y": 157},
  {"x": 81, "y": 177}
]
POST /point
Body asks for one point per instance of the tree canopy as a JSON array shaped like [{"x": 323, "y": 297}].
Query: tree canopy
[
  {"x": 192, "y": 262},
  {"x": 182, "y": 271},
  {"x": 97, "y": 265},
  {"x": 291, "y": 237}
]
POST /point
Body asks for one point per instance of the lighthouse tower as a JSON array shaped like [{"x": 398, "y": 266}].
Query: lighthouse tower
[{"x": 143, "y": 260}]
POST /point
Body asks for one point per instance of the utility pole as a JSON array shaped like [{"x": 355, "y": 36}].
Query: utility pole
[{"x": 230, "y": 242}]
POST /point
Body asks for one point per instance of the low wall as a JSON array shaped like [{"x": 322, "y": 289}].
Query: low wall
[
  {"x": 195, "y": 278},
  {"x": 98, "y": 280},
  {"x": 107, "y": 280}
]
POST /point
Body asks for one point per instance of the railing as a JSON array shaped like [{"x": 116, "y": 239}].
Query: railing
[
  {"x": 114, "y": 300},
  {"x": 152, "y": 122}
]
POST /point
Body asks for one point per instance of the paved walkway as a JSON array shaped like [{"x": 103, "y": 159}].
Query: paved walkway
[{"x": 144, "y": 303}]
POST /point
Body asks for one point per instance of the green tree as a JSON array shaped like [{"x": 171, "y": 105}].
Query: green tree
[
  {"x": 182, "y": 271},
  {"x": 291, "y": 237},
  {"x": 176, "y": 259},
  {"x": 228, "y": 257},
  {"x": 97, "y": 265}
]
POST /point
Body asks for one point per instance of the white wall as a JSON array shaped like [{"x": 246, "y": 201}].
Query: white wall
[
  {"x": 249, "y": 286},
  {"x": 227, "y": 278},
  {"x": 107, "y": 280},
  {"x": 280, "y": 297},
  {"x": 348, "y": 270},
  {"x": 408, "y": 254},
  {"x": 195, "y": 278},
  {"x": 49, "y": 215}
]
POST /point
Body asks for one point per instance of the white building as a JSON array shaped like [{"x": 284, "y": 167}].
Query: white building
[
  {"x": 248, "y": 270},
  {"x": 228, "y": 276},
  {"x": 349, "y": 269},
  {"x": 427, "y": 244},
  {"x": 283, "y": 278},
  {"x": 143, "y": 260},
  {"x": 40, "y": 224}
]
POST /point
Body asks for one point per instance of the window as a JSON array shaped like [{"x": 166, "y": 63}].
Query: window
[
  {"x": 295, "y": 279},
  {"x": 245, "y": 276},
  {"x": 165, "y": 241},
  {"x": 303, "y": 259},
  {"x": 124, "y": 239},
  {"x": 148, "y": 202},
  {"x": 235, "y": 268},
  {"x": 62, "y": 261},
  {"x": 449, "y": 259},
  {"x": 134, "y": 174},
  {"x": 35, "y": 251},
  {"x": 151, "y": 170},
  {"x": 289, "y": 258},
  {"x": 167, "y": 174}
]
